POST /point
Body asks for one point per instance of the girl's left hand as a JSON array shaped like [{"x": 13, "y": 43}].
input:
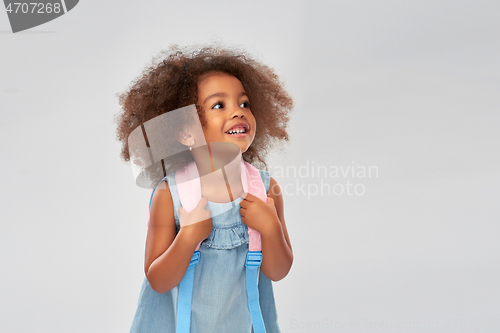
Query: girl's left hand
[{"x": 259, "y": 215}]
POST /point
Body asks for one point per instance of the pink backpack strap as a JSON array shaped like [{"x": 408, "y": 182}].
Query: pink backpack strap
[
  {"x": 252, "y": 183},
  {"x": 189, "y": 188}
]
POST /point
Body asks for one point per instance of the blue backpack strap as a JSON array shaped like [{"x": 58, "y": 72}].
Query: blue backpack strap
[
  {"x": 252, "y": 264},
  {"x": 185, "y": 296}
]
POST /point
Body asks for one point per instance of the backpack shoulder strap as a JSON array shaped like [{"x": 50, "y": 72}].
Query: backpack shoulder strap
[
  {"x": 252, "y": 180},
  {"x": 257, "y": 187}
]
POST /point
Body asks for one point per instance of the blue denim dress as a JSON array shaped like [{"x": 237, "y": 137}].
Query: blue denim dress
[{"x": 220, "y": 302}]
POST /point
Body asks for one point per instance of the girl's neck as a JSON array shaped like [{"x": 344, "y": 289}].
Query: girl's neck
[{"x": 224, "y": 184}]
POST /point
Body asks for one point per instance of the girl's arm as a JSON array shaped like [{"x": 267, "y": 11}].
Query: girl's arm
[
  {"x": 277, "y": 255},
  {"x": 167, "y": 255},
  {"x": 269, "y": 219}
]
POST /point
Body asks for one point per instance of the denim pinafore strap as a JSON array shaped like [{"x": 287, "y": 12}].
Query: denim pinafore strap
[{"x": 220, "y": 302}]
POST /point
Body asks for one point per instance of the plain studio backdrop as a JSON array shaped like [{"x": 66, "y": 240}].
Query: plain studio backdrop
[{"x": 391, "y": 177}]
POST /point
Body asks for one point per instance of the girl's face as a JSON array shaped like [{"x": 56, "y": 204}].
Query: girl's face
[{"x": 227, "y": 110}]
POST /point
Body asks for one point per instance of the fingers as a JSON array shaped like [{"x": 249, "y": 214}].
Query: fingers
[
  {"x": 204, "y": 214},
  {"x": 244, "y": 203},
  {"x": 198, "y": 214},
  {"x": 252, "y": 199},
  {"x": 202, "y": 203},
  {"x": 199, "y": 206},
  {"x": 248, "y": 196},
  {"x": 208, "y": 214}
]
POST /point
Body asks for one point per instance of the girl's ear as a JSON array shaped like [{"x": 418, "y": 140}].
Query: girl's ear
[{"x": 185, "y": 138}]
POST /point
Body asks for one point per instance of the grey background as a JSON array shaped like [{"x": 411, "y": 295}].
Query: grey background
[{"x": 411, "y": 87}]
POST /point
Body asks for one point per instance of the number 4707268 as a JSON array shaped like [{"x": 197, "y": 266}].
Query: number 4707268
[{"x": 33, "y": 8}]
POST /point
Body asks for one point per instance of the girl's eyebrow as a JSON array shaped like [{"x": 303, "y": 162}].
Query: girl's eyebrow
[{"x": 223, "y": 95}]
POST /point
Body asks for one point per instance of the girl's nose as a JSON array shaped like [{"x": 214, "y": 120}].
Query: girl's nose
[
  {"x": 237, "y": 112},
  {"x": 240, "y": 115}
]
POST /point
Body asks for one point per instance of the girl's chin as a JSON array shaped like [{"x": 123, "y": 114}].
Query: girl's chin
[
  {"x": 243, "y": 144},
  {"x": 243, "y": 147}
]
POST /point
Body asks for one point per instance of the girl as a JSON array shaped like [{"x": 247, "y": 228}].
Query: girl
[{"x": 238, "y": 101}]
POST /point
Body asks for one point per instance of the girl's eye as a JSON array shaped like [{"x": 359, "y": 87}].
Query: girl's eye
[
  {"x": 218, "y": 105},
  {"x": 245, "y": 104}
]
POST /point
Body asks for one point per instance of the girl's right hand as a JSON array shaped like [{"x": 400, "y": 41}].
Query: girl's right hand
[{"x": 198, "y": 222}]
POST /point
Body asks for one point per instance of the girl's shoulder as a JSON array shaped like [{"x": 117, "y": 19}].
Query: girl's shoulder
[
  {"x": 161, "y": 205},
  {"x": 162, "y": 188}
]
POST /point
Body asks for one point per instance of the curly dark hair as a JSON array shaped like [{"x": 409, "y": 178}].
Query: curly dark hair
[{"x": 171, "y": 82}]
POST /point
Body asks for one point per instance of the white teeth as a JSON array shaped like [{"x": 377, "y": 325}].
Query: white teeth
[{"x": 242, "y": 130}]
